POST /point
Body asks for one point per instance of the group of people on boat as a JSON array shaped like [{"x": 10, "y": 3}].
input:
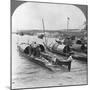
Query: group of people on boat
[{"x": 34, "y": 49}]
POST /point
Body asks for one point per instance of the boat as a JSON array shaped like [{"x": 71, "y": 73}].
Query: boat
[
  {"x": 38, "y": 60},
  {"x": 76, "y": 55},
  {"x": 46, "y": 60},
  {"x": 80, "y": 48},
  {"x": 80, "y": 52},
  {"x": 80, "y": 56}
]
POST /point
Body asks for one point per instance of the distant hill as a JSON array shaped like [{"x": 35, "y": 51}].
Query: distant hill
[
  {"x": 70, "y": 32},
  {"x": 61, "y": 30}
]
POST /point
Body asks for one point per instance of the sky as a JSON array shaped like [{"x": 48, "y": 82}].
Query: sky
[{"x": 29, "y": 16}]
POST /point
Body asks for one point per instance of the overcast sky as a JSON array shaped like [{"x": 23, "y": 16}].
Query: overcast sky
[{"x": 29, "y": 16}]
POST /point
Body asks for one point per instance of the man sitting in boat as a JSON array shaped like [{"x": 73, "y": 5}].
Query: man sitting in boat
[{"x": 35, "y": 49}]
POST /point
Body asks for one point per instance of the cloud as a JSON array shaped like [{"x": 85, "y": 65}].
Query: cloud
[{"x": 29, "y": 16}]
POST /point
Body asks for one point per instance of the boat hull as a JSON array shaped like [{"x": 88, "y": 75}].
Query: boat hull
[
  {"x": 76, "y": 55},
  {"x": 36, "y": 60}
]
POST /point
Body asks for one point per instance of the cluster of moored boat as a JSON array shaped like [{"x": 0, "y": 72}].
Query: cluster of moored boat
[{"x": 50, "y": 56}]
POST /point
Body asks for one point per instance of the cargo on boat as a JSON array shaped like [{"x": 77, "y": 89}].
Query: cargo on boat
[{"x": 63, "y": 50}]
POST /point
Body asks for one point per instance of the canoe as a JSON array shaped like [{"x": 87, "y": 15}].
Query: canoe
[{"x": 37, "y": 60}]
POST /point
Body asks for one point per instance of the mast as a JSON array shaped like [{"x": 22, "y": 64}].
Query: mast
[
  {"x": 68, "y": 23},
  {"x": 44, "y": 30},
  {"x": 67, "y": 32}
]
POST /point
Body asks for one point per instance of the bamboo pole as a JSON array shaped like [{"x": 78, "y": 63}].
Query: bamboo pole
[
  {"x": 68, "y": 23},
  {"x": 44, "y": 30}
]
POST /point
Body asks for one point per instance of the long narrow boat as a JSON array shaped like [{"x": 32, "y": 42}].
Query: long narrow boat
[
  {"x": 76, "y": 55},
  {"x": 42, "y": 61},
  {"x": 38, "y": 60}
]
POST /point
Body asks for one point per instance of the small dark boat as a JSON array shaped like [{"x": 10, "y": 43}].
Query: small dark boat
[
  {"x": 79, "y": 48},
  {"x": 80, "y": 56},
  {"x": 46, "y": 60}
]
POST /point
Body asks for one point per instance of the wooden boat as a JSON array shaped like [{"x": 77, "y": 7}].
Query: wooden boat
[
  {"x": 38, "y": 60},
  {"x": 76, "y": 55},
  {"x": 45, "y": 56},
  {"x": 56, "y": 51},
  {"x": 80, "y": 56}
]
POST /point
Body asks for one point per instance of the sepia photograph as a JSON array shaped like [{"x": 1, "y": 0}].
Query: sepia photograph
[{"x": 49, "y": 44}]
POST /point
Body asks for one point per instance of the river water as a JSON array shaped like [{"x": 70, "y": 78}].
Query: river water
[{"x": 26, "y": 74}]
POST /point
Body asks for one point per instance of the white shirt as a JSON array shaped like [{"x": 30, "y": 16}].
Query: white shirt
[{"x": 70, "y": 58}]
